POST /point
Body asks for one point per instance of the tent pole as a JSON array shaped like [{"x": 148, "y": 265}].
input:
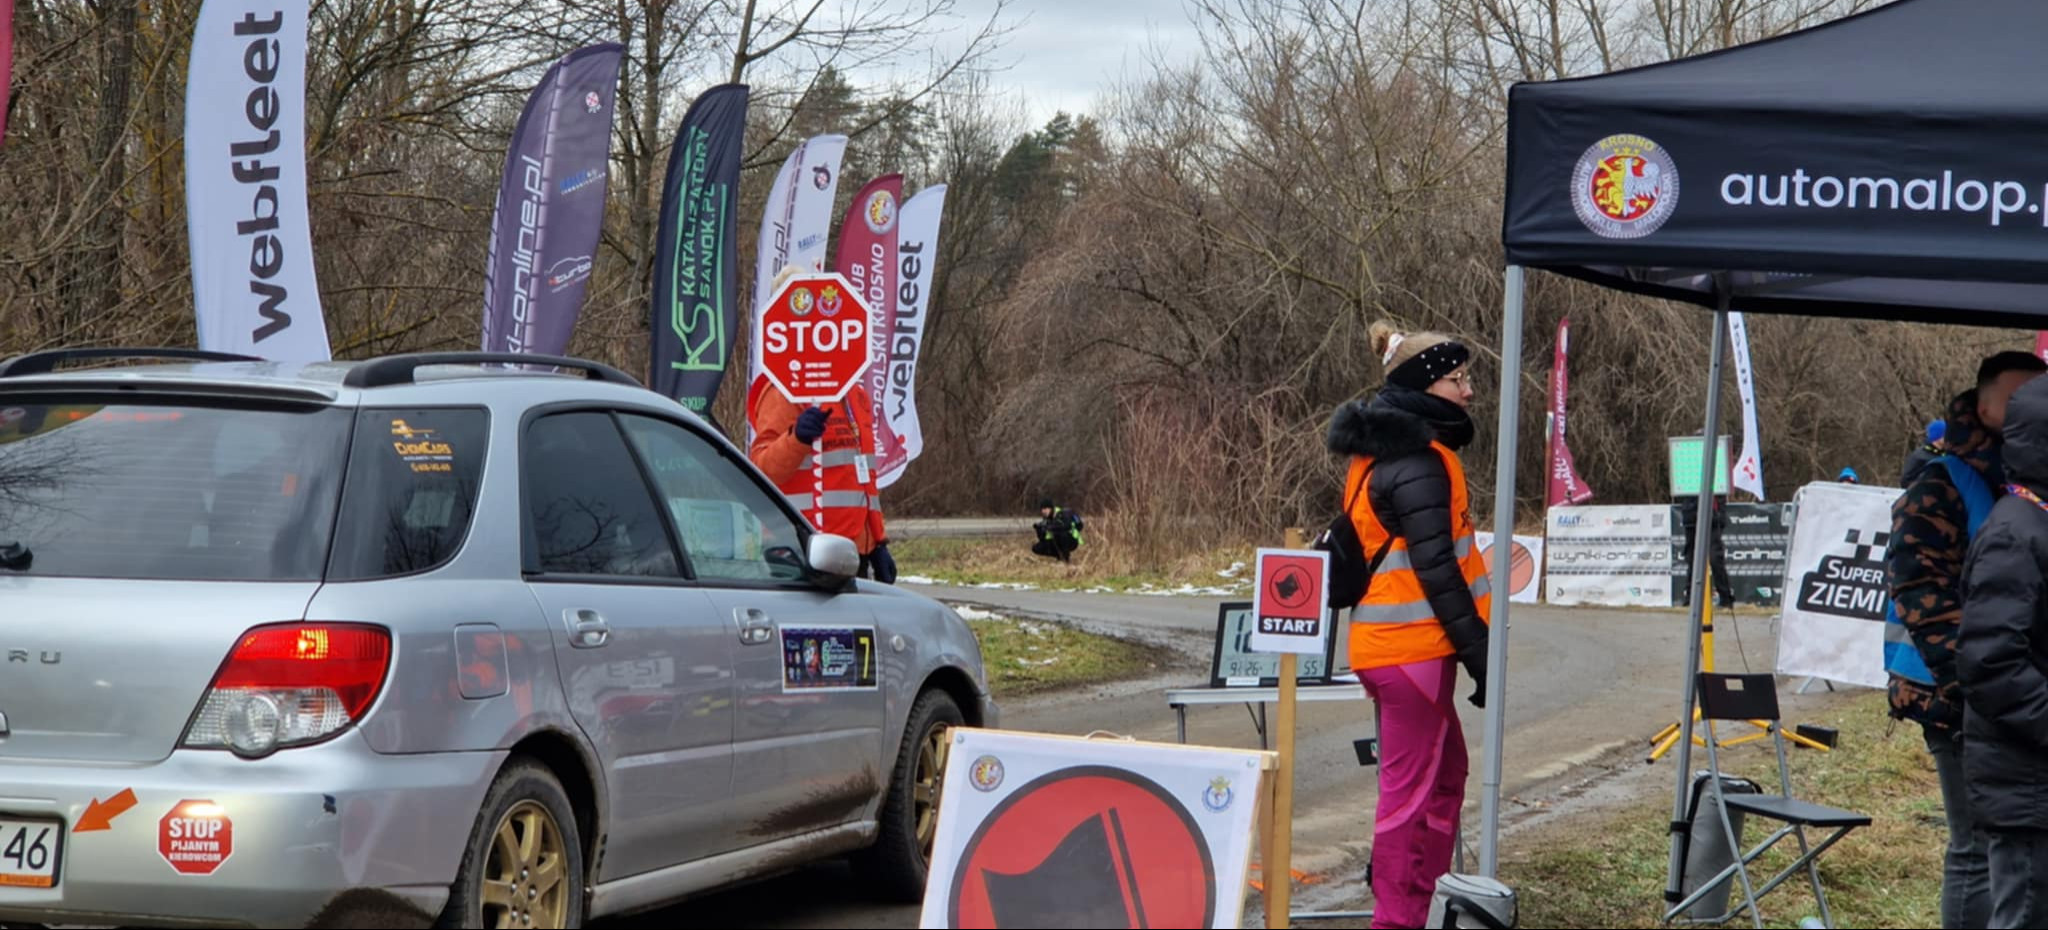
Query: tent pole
[
  {"x": 1702, "y": 547},
  {"x": 1503, "y": 590}
]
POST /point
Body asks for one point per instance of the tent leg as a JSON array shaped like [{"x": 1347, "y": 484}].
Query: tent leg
[
  {"x": 1703, "y": 540},
  {"x": 1503, "y": 532}
]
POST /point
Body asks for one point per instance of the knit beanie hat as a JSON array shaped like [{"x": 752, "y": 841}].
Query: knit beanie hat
[{"x": 1417, "y": 360}]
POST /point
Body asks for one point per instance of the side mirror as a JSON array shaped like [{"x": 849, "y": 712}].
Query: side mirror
[{"x": 833, "y": 559}]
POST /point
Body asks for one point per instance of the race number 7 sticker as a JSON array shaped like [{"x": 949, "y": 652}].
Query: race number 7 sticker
[{"x": 828, "y": 658}]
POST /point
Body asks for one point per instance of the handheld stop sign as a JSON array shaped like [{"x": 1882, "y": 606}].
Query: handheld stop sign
[{"x": 814, "y": 338}]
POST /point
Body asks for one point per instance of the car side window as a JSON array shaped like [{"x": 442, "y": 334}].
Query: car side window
[
  {"x": 588, "y": 510},
  {"x": 729, "y": 524}
]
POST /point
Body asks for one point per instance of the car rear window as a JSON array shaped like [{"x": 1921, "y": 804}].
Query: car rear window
[
  {"x": 142, "y": 490},
  {"x": 412, "y": 484}
]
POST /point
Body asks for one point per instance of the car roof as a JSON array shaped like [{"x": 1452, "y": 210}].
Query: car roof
[{"x": 327, "y": 382}]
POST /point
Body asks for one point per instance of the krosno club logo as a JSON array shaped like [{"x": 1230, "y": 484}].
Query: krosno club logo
[
  {"x": 881, "y": 212},
  {"x": 1625, "y": 187}
]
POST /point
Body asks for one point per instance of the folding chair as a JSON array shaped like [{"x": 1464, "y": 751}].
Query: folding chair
[{"x": 1755, "y": 697}]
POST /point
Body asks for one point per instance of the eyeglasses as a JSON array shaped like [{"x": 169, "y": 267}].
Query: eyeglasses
[{"x": 1461, "y": 379}]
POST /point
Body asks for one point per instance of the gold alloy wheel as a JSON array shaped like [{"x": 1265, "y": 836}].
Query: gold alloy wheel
[
  {"x": 524, "y": 880},
  {"x": 928, "y": 780}
]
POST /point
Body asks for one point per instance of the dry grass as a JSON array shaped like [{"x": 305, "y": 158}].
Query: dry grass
[
  {"x": 1103, "y": 563},
  {"x": 1030, "y": 656},
  {"x": 1609, "y": 870}
]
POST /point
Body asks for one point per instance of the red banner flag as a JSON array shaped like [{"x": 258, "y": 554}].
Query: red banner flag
[
  {"x": 6, "y": 62},
  {"x": 867, "y": 259},
  {"x": 1565, "y": 487}
]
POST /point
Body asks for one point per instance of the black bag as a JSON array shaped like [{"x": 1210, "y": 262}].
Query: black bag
[{"x": 1350, "y": 573}]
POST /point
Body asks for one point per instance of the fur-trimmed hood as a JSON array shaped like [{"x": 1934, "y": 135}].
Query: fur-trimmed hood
[{"x": 1377, "y": 429}]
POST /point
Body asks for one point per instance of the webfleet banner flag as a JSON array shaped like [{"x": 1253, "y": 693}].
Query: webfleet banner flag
[
  {"x": 550, "y": 206},
  {"x": 245, "y": 182},
  {"x": 795, "y": 224},
  {"x": 1566, "y": 490},
  {"x": 867, "y": 259},
  {"x": 917, "y": 260}
]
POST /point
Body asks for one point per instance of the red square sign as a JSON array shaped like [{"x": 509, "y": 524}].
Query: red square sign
[{"x": 1288, "y": 603}]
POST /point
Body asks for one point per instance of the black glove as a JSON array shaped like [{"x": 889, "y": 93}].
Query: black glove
[
  {"x": 811, "y": 424},
  {"x": 1469, "y": 639},
  {"x": 882, "y": 564},
  {"x": 1474, "y": 660}
]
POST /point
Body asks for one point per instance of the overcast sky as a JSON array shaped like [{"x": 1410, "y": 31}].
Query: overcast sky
[{"x": 1062, "y": 53}]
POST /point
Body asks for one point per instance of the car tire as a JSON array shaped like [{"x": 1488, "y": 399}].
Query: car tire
[
  {"x": 499, "y": 869},
  {"x": 896, "y": 866}
]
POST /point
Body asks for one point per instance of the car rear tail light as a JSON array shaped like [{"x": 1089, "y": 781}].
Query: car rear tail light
[{"x": 291, "y": 684}]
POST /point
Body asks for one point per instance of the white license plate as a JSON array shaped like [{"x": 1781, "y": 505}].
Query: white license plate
[{"x": 30, "y": 851}]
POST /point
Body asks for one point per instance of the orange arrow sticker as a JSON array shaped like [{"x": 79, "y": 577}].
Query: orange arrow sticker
[{"x": 99, "y": 815}]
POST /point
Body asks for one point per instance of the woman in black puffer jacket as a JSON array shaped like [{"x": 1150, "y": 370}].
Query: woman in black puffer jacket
[{"x": 1424, "y": 612}]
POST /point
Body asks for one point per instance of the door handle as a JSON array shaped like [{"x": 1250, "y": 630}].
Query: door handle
[
  {"x": 587, "y": 629},
  {"x": 756, "y": 627}
]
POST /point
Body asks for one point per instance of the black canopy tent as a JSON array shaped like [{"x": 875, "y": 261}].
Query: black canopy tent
[{"x": 1882, "y": 166}]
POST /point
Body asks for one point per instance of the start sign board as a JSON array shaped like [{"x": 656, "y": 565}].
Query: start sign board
[
  {"x": 1288, "y": 608},
  {"x": 814, "y": 338}
]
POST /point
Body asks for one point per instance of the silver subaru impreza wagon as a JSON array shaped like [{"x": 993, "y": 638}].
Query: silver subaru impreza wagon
[{"x": 482, "y": 640}]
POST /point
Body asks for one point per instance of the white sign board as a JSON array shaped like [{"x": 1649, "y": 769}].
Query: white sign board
[
  {"x": 1836, "y": 587},
  {"x": 1038, "y": 830},
  {"x": 1289, "y": 602},
  {"x": 1609, "y": 556},
  {"x": 1525, "y": 575}
]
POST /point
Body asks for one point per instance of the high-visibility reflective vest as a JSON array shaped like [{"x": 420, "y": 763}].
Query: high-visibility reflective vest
[
  {"x": 833, "y": 483},
  {"x": 1394, "y": 624},
  {"x": 1901, "y": 656}
]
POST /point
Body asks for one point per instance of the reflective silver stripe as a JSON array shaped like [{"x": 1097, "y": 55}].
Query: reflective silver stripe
[
  {"x": 809, "y": 501},
  {"x": 1413, "y": 611},
  {"x": 832, "y": 459},
  {"x": 1398, "y": 560},
  {"x": 874, "y": 502}
]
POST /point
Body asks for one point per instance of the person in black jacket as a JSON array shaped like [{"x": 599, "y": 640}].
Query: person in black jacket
[
  {"x": 1925, "y": 567},
  {"x": 2003, "y": 671},
  {"x": 1059, "y": 532},
  {"x": 1424, "y": 610},
  {"x": 1925, "y": 453},
  {"x": 1717, "y": 547}
]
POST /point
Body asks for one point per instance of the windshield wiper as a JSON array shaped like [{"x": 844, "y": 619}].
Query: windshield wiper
[{"x": 15, "y": 557}]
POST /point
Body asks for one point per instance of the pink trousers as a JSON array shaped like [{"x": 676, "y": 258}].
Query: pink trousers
[{"x": 1422, "y": 786}]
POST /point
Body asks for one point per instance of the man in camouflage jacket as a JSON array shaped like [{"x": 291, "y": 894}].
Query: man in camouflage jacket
[{"x": 1929, "y": 543}]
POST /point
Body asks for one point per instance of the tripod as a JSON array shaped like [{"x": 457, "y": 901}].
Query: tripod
[{"x": 1668, "y": 737}]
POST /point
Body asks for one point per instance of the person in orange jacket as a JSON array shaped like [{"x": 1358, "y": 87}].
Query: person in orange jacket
[
  {"x": 822, "y": 458},
  {"x": 1424, "y": 612}
]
